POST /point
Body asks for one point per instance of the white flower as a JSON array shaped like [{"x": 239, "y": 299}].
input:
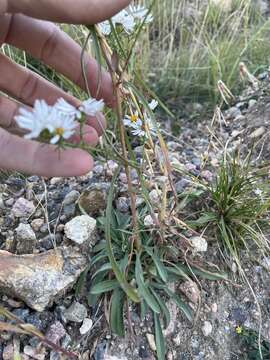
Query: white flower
[
  {"x": 105, "y": 27},
  {"x": 125, "y": 19},
  {"x": 60, "y": 125},
  {"x": 140, "y": 12},
  {"x": 138, "y": 132},
  {"x": 67, "y": 109},
  {"x": 35, "y": 120},
  {"x": 153, "y": 104},
  {"x": 91, "y": 106},
  {"x": 133, "y": 120}
]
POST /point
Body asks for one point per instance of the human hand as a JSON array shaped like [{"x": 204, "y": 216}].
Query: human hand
[{"x": 20, "y": 27}]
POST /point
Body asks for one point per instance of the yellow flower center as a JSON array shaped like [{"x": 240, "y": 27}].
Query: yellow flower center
[
  {"x": 59, "y": 131},
  {"x": 134, "y": 118},
  {"x": 238, "y": 330}
]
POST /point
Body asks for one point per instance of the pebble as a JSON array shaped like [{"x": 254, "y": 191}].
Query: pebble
[
  {"x": 252, "y": 102},
  {"x": 98, "y": 170},
  {"x": 36, "y": 224},
  {"x": 8, "y": 352},
  {"x": 23, "y": 208},
  {"x": 35, "y": 353},
  {"x": 207, "y": 328},
  {"x": 26, "y": 239},
  {"x": 56, "y": 332},
  {"x": 155, "y": 197},
  {"x": 71, "y": 197},
  {"x": 76, "y": 312},
  {"x": 56, "y": 180},
  {"x": 214, "y": 308},
  {"x": 191, "y": 290},
  {"x": 199, "y": 243},
  {"x": 151, "y": 342},
  {"x": 257, "y": 133},
  {"x": 233, "y": 112},
  {"x": 9, "y": 202},
  {"x": 207, "y": 175},
  {"x": 123, "y": 204},
  {"x": 148, "y": 221},
  {"x": 81, "y": 229},
  {"x": 86, "y": 326}
]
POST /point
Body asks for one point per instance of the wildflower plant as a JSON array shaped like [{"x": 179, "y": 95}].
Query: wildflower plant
[{"x": 136, "y": 264}]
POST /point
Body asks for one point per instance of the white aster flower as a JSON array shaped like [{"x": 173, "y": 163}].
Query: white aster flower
[
  {"x": 153, "y": 105},
  {"x": 34, "y": 121},
  {"x": 105, "y": 27},
  {"x": 125, "y": 19},
  {"x": 138, "y": 132},
  {"x": 133, "y": 121},
  {"x": 91, "y": 106},
  {"x": 67, "y": 109},
  {"x": 61, "y": 126},
  {"x": 140, "y": 12}
]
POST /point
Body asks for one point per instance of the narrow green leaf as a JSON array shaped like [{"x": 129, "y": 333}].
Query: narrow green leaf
[
  {"x": 143, "y": 288},
  {"x": 164, "y": 310},
  {"x": 159, "y": 265},
  {"x": 182, "y": 306},
  {"x": 120, "y": 276},
  {"x": 160, "y": 341},
  {"x": 104, "y": 286},
  {"x": 117, "y": 312}
]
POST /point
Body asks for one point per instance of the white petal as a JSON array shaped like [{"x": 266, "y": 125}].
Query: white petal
[{"x": 55, "y": 139}]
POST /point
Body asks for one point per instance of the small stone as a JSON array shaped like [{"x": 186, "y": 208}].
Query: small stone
[
  {"x": 151, "y": 342},
  {"x": 252, "y": 102},
  {"x": 56, "y": 180},
  {"x": 233, "y": 112},
  {"x": 257, "y": 133},
  {"x": 207, "y": 328},
  {"x": 23, "y": 208},
  {"x": 2, "y": 205},
  {"x": 81, "y": 229},
  {"x": 93, "y": 201},
  {"x": 56, "y": 332},
  {"x": 26, "y": 239},
  {"x": 214, "y": 308},
  {"x": 148, "y": 221},
  {"x": 111, "y": 167},
  {"x": 86, "y": 326},
  {"x": 181, "y": 185},
  {"x": 36, "y": 224},
  {"x": 71, "y": 197},
  {"x": 177, "y": 340},
  {"x": 199, "y": 243},
  {"x": 8, "y": 353},
  {"x": 123, "y": 204},
  {"x": 76, "y": 312},
  {"x": 98, "y": 170},
  {"x": 155, "y": 197},
  {"x": 191, "y": 290},
  {"x": 38, "y": 354},
  {"x": 207, "y": 175},
  {"x": 9, "y": 202}
]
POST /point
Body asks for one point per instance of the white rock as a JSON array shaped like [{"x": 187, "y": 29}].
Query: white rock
[
  {"x": 191, "y": 290},
  {"x": 86, "y": 326},
  {"x": 151, "y": 342},
  {"x": 76, "y": 312},
  {"x": 258, "y": 132},
  {"x": 199, "y": 243},
  {"x": 81, "y": 229},
  {"x": 155, "y": 197},
  {"x": 207, "y": 328},
  {"x": 148, "y": 221}
]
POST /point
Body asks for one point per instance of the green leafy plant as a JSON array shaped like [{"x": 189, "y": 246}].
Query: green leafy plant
[{"x": 248, "y": 340}]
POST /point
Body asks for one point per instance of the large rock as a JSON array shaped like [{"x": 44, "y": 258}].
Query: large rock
[{"x": 38, "y": 279}]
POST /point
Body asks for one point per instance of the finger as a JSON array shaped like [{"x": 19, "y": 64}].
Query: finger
[
  {"x": 27, "y": 86},
  {"x": 69, "y": 11},
  {"x": 46, "y": 42},
  {"x": 32, "y": 157},
  {"x": 89, "y": 136},
  {"x": 10, "y": 108}
]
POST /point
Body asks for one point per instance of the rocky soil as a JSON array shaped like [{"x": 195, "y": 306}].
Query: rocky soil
[{"x": 46, "y": 241}]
